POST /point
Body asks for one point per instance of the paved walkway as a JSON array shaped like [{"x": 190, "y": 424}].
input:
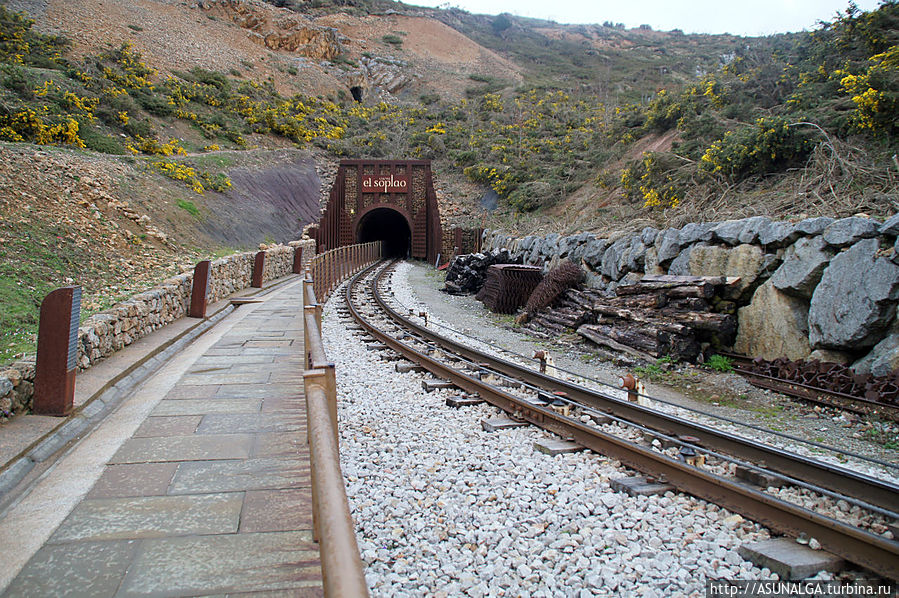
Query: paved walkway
[{"x": 204, "y": 487}]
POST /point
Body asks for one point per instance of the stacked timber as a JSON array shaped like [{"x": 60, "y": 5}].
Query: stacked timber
[{"x": 674, "y": 316}]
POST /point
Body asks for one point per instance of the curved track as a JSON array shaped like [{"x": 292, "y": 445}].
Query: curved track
[{"x": 522, "y": 392}]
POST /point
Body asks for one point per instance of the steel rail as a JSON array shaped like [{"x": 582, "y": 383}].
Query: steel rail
[
  {"x": 853, "y": 544},
  {"x": 863, "y": 487}
]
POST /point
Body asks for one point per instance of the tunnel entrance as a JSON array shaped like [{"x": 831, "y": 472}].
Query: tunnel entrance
[{"x": 388, "y": 226}]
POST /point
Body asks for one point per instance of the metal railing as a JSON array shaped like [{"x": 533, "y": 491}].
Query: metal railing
[
  {"x": 332, "y": 267},
  {"x": 342, "y": 569}
]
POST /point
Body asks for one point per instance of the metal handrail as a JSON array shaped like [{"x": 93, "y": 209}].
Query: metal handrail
[{"x": 342, "y": 569}]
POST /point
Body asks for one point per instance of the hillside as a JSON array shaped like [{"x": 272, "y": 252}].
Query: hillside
[{"x": 214, "y": 124}]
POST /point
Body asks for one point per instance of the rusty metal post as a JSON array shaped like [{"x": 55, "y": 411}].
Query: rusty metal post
[
  {"x": 258, "y": 270},
  {"x": 629, "y": 383},
  {"x": 298, "y": 259},
  {"x": 199, "y": 295},
  {"x": 307, "y": 345},
  {"x": 316, "y": 531},
  {"x": 57, "y": 352}
]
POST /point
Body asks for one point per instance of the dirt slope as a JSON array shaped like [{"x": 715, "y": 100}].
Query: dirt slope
[{"x": 176, "y": 35}]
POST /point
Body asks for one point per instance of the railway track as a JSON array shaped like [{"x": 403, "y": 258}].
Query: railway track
[
  {"x": 651, "y": 441},
  {"x": 812, "y": 392}
]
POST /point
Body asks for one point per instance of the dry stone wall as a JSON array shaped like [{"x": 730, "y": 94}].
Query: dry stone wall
[
  {"x": 104, "y": 333},
  {"x": 815, "y": 289}
]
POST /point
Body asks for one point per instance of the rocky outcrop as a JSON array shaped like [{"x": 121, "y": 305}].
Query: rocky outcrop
[
  {"x": 773, "y": 325},
  {"x": 819, "y": 287},
  {"x": 278, "y": 30}
]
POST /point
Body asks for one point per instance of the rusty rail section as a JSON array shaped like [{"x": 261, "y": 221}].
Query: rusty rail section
[
  {"x": 342, "y": 569},
  {"x": 831, "y": 384},
  {"x": 872, "y": 552}
]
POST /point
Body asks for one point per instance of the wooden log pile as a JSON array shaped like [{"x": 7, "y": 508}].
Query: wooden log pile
[{"x": 676, "y": 316}]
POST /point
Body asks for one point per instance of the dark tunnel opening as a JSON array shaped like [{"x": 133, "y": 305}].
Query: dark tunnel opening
[
  {"x": 389, "y": 226},
  {"x": 357, "y": 93}
]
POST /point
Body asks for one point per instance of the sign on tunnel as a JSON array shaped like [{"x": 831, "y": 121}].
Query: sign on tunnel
[{"x": 388, "y": 200}]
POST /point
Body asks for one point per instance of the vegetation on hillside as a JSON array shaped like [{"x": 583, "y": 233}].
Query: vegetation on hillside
[{"x": 827, "y": 99}]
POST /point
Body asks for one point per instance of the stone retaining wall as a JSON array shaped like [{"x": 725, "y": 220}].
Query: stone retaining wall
[
  {"x": 104, "y": 333},
  {"x": 816, "y": 289}
]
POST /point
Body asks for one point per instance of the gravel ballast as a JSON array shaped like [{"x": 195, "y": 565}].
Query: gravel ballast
[{"x": 443, "y": 508}]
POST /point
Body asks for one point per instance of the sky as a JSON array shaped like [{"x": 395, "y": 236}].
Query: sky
[{"x": 742, "y": 17}]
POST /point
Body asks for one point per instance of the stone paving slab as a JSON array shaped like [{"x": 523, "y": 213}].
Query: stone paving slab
[
  {"x": 282, "y": 405},
  {"x": 135, "y": 479},
  {"x": 279, "y": 444},
  {"x": 233, "y": 360},
  {"x": 201, "y": 407},
  {"x": 151, "y": 517},
  {"x": 192, "y": 392},
  {"x": 75, "y": 570},
  {"x": 231, "y": 476},
  {"x": 173, "y": 425},
  {"x": 184, "y": 448},
  {"x": 219, "y": 378},
  {"x": 222, "y": 564},
  {"x": 230, "y": 423},
  {"x": 257, "y": 391},
  {"x": 276, "y": 510}
]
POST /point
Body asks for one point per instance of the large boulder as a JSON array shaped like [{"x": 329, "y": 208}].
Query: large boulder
[
  {"x": 648, "y": 235},
  {"x": 890, "y": 226},
  {"x": 773, "y": 325},
  {"x": 729, "y": 231},
  {"x": 593, "y": 252},
  {"x": 668, "y": 246},
  {"x": 775, "y": 235},
  {"x": 846, "y": 231},
  {"x": 748, "y": 262},
  {"x": 680, "y": 265},
  {"x": 622, "y": 256},
  {"x": 883, "y": 359},
  {"x": 855, "y": 300},
  {"x": 813, "y": 226},
  {"x": 802, "y": 268},
  {"x": 696, "y": 232},
  {"x": 750, "y": 232}
]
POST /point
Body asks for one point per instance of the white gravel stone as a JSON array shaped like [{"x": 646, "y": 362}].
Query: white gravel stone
[{"x": 443, "y": 508}]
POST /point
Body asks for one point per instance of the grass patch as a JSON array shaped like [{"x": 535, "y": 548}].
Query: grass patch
[
  {"x": 392, "y": 39},
  {"x": 189, "y": 207},
  {"x": 720, "y": 363}
]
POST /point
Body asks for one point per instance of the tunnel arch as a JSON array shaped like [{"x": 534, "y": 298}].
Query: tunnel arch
[
  {"x": 388, "y": 225},
  {"x": 361, "y": 186}
]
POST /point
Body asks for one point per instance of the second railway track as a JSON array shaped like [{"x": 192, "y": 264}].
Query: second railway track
[{"x": 528, "y": 395}]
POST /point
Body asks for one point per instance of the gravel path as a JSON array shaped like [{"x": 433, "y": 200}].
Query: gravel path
[{"x": 444, "y": 509}]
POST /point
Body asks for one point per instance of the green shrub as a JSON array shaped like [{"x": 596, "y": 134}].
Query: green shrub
[
  {"x": 720, "y": 363},
  {"x": 392, "y": 39},
  {"x": 99, "y": 142},
  {"x": 770, "y": 145},
  {"x": 155, "y": 104}
]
